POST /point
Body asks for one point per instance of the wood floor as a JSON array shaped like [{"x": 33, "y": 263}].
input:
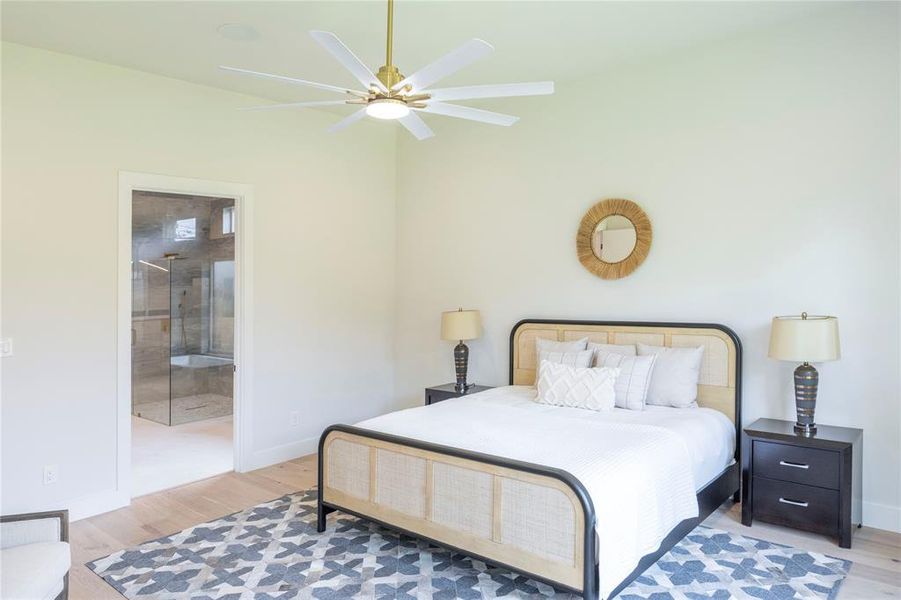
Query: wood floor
[{"x": 876, "y": 554}]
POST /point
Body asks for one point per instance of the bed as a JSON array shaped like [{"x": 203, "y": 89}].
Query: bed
[{"x": 581, "y": 500}]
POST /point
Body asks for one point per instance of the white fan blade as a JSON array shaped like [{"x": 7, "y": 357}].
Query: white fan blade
[
  {"x": 321, "y": 86},
  {"x": 471, "y": 114},
  {"x": 348, "y": 121},
  {"x": 295, "y": 105},
  {"x": 416, "y": 126},
  {"x": 450, "y": 63},
  {"x": 348, "y": 59},
  {"x": 500, "y": 90}
]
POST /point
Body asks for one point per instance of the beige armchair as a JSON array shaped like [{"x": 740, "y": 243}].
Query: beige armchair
[{"x": 34, "y": 556}]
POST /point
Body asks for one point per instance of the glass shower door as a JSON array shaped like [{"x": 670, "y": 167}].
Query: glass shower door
[
  {"x": 200, "y": 378},
  {"x": 222, "y": 308},
  {"x": 150, "y": 340}
]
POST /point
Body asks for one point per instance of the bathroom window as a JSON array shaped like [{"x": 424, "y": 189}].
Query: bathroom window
[
  {"x": 228, "y": 220},
  {"x": 185, "y": 229}
]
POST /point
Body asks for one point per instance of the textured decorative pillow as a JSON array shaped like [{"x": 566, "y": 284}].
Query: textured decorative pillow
[
  {"x": 573, "y": 359},
  {"x": 676, "y": 374},
  {"x": 542, "y": 345},
  {"x": 602, "y": 350},
  {"x": 633, "y": 382},
  {"x": 562, "y": 385}
]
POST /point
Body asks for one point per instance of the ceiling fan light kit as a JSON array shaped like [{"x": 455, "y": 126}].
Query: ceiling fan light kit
[
  {"x": 387, "y": 108},
  {"x": 389, "y": 95}
]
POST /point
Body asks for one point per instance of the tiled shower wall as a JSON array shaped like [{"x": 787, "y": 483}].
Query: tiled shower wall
[{"x": 171, "y": 312}]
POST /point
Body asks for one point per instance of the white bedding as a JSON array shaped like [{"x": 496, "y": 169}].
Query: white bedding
[{"x": 641, "y": 468}]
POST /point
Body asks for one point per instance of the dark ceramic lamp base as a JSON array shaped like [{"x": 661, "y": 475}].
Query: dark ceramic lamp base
[
  {"x": 461, "y": 361},
  {"x": 806, "y": 383}
]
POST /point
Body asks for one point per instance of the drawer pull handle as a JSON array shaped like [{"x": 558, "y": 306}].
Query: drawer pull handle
[
  {"x": 795, "y": 465},
  {"x": 794, "y": 502}
]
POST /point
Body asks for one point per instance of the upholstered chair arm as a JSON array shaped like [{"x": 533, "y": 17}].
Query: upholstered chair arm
[{"x": 30, "y": 528}]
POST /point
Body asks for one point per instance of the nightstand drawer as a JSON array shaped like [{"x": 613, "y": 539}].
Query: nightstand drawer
[
  {"x": 798, "y": 464},
  {"x": 802, "y": 506}
]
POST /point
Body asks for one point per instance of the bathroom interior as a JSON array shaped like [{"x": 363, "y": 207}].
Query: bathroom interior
[{"x": 183, "y": 322}]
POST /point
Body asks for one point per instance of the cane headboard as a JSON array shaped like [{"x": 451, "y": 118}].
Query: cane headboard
[{"x": 720, "y": 383}]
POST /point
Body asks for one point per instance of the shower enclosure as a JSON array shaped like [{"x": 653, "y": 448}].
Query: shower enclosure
[{"x": 182, "y": 318}]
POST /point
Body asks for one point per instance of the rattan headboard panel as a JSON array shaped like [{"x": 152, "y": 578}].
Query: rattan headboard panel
[{"x": 720, "y": 382}]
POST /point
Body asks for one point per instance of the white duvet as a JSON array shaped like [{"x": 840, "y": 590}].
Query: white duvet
[{"x": 641, "y": 468}]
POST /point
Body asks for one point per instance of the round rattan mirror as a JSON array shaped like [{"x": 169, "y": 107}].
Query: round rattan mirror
[{"x": 614, "y": 238}]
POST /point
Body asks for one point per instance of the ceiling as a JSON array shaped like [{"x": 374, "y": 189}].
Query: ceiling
[{"x": 533, "y": 40}]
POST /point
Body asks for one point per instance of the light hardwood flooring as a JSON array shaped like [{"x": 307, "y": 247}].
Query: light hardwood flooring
[{"x": 876, "y": 554}]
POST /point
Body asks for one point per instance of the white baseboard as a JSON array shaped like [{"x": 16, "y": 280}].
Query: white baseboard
[
  {"x": 882, "y": 516},
  {"x": 97, "y": 503},
  {"x": 277, "y": 454}
]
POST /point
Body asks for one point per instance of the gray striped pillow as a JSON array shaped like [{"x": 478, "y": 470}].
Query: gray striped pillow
[
  {"x": 573, "y": 359},
  {"x": 604, "y": 349},
  {"x": 634, "y": 377}
]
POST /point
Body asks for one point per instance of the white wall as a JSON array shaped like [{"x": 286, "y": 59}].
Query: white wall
[
  {"x": 768, "y": 165},
  {"x": 784, "y": 146},
  {"x": 324, "y": 261}
]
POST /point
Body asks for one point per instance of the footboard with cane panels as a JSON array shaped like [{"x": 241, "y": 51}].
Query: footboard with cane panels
[
  {"x": 527, "y": 517},
  {"x": 531, "y": 518}
]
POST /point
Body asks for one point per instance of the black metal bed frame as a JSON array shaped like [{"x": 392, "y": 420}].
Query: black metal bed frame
[{"x": 726, "y": 484}]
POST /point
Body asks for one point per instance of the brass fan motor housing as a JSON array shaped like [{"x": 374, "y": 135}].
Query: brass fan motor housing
[{"x": 389, "y": 75}]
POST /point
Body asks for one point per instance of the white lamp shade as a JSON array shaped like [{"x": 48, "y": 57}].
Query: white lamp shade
[
  {"x": 807, "y": 338},
  {"x": 461, "y": 325}
]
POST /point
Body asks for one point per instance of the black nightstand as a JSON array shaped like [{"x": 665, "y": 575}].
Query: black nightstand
[
  {"x": 811, "y": 483},
  {"x": 443, "y": 392}
]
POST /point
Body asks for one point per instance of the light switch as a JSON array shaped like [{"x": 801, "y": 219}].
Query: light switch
[{"x": 6, "y": 347}]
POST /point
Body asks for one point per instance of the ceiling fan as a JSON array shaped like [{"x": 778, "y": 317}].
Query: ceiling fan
[{"x": 390, "y": 95}]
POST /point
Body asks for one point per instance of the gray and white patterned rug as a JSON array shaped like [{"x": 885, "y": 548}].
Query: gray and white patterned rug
[{"x": 272, "y": 551}]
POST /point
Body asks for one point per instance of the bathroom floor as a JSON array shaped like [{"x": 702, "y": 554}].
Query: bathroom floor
[
  {"x": 151, "y": 400},
  {"x": 167, "y": 456},
  {"x": 185, "y": 409}
]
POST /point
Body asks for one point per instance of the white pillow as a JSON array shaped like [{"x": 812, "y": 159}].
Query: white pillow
[
  {"x": 633, "y": 382},
  {"x": 562, "y": 385},
  {"x": 676, "y": 374},
  {"x": 602, "y": 350},
  {"x": 543, "y": 345},
  {"x": 574, "y": 359}
]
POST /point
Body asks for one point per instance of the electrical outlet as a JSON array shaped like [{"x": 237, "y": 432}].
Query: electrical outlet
[
  {"x": 51, "y": 474},
  {"x": 295, "y": 418}
]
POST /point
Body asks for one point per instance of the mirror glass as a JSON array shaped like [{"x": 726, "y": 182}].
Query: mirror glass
[{"x": 613, "y": 239}]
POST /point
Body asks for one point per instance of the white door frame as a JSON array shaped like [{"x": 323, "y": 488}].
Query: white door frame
[{"x": 243, "y": 195}]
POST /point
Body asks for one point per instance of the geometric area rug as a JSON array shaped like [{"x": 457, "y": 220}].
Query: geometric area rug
[{"x": 272, "y": 551}]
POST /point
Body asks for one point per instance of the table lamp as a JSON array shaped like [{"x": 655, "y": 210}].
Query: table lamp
[
  {"x": 461, "y": 325},
  {"x": 805, "y": 339}
]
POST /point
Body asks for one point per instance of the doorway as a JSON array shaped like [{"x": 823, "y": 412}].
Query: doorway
[
  {"x": 183, "y": 337},
  {"x": 182, "y": 330}
]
